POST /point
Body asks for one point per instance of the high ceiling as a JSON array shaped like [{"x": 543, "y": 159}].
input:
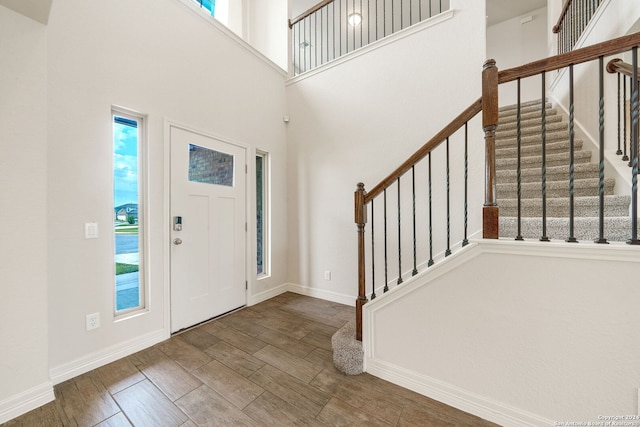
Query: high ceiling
[{"x": 501, "y": 10}]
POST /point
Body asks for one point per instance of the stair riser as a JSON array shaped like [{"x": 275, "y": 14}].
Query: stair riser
[
  {"x": 585, "y": 229},
  {"x": 536, "y": 161},
  {"x": 536, "y": 139},
  {"x": 524, "y": 107},
  {"x": 512, "y": 192},
  {"x": 527, "y": 115},
  {"x": 533, "y": 130},
  {"x": 529, "y": 123},
  {"x": 536, "y": 178},
  {"x": 506, "y": 153},
  {"x": 529, "y": 211}
]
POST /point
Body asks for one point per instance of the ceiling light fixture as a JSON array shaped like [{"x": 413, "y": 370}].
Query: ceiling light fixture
[{"x": 354, "y": 19}]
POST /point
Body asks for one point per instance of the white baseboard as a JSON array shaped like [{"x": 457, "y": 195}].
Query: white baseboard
[
  {"x": 322, "y": 294},
  {"x": 268, "y": 294},
  {"x": 458, "y": 398},
  {"x": 26, "y": 401},
  {"x": 100, "y": 358}
]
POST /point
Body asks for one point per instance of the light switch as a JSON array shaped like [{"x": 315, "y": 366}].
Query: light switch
[{"x": 91, "y": 230}]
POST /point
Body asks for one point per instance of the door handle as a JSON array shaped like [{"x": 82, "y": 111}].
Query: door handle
[{"x": 177, "y": 241}]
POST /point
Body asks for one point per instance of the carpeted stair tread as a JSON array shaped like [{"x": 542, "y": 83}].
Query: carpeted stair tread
[
  {"x": 581, "y": 188},
  {"x": 614, "y": 205},
  {"x": 556, "y": 159},
  {"x": 529, "y": 150},
  {"x": 528, "y": 123},
  {"x": 531, "y": 130},
  {"x": 511, "y": 109},
  {"x": 554, "y": 173},
  {"x": 526, "y": 115},
  {"x": 586, "y": 179},
  {"x": 616, "y": 229},
  {"x": 533, "y": 139}
]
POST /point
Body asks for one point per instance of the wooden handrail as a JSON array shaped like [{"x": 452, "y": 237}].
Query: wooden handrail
[
  {"x": 429, "y": 146},
  {"x": 558, "y": 26},
  {"x": 308, "y": 12},
  {"x": 617, "y": 65},
  {"x": 579, "y": 56}
]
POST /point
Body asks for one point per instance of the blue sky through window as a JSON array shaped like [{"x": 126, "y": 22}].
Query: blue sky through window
[
  {"x": 125, "y": 158},
  {"x": 210, "y": 5}
]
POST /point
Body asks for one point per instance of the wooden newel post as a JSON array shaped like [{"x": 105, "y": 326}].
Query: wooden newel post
[
  {"x": 489, "y": 124},
  {"x": 361, "y": 220}
]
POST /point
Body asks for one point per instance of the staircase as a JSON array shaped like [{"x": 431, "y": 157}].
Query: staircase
[{"x": 586, "y": 183}]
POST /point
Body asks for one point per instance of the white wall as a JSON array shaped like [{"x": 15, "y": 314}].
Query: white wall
[
  {"x": 512, "y": 44},
  {"x": 121, "y": 53},
  {"x": 520, "y": 334},
  {"x": 23, "y": 186},
  {"x": 358, "y": 122},
  {"x": 268, "y": 30}
]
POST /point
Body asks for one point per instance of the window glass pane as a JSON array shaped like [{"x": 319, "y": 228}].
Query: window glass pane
[
  {"x": 210, "y": 166},
  {"x": 126, "y": 156},
  {"x": 210, "y": 5},
  {"x": 260, "y": 212}
]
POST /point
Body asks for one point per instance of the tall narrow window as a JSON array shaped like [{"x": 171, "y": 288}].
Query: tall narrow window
[
  {"x": 210, "y": 5},
  {"x": 127, "y": 211},
  {"x": 262, "y": 214}
]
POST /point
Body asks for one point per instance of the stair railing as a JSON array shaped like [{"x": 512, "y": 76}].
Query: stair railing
[
  {"x": 333, "y": 28},
  {"x": 574, "y": 18},
  {"x": 488, "y": 103},
  {"x": 624, "y": 72},
  {"x": 592, "y": 54}
]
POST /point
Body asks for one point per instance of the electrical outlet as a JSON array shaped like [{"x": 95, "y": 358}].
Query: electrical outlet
[
  {"x": 327, "y": 275},
  {"x": 93, "y": 321}
]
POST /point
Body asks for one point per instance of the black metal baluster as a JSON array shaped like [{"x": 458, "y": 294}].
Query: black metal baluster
[
  {"x": 373, "y": 254},
  {"x": 399, "y": 239},
  {"x": 601, "y": 238},
  {"x": 386, "y": 263},
  {"x": 634, "y": 149},
  {"x": 304, "y": 21},
  {"x": 465, "y": 240},
  {"x": 401, "y": 15},
  {"x": 393, "y": 18},
  {"x": 413, "y": 196},
  {"x": 543, "y": 113},
  {"x": 410, "y": 12},
  {"x": 353, "y": 10},
  {"x": 294, "y": 51},
  {"x": 377, "y": 19},
  {"x": 518, "y": 166},
  {"x": 447, "y": 252},
  {"x": 430, "y": 263},
  {"x": 571, "y": 238},
  {"x": 420, "y": 10},
  {"x": 340, "y": 26},
  {"x": 625, "y": 157},
  {"x": 384, "y": 18},
  {"x": 619, "y": 152},
  {"x": 322, "y": 33},
  {"x": 430, "y": 11},
  {"x": 368, "y": 21},
  {"x": 361, "y": 25}
]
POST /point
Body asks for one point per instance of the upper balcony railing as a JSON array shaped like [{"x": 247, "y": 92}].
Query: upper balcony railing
[
  {"x": 333, "y": 28},
  {"x": 574, "y": 18}
]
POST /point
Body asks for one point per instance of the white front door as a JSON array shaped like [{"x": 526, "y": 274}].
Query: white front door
[{"x": 208, "y": 228}]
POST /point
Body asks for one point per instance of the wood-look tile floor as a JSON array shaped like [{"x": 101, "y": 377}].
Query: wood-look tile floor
[{"x": 265, "y": 365}]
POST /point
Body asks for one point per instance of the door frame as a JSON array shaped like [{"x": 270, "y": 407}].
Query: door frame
[{"x": 166, "y": 222}]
